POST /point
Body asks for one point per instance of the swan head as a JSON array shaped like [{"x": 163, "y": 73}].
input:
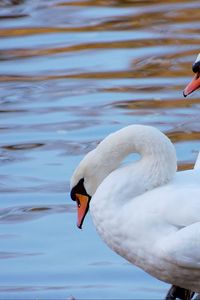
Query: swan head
[
  {"x": 82, "y": 198},
  {"x": 84, "y": 182},
  {"x": 195, "y": 82}
]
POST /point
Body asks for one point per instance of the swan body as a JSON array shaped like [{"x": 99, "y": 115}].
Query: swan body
[{"x": 145, "y": 211}]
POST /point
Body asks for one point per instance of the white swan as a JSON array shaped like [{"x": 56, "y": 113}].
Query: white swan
[
  {"x": 145, "y": 211},
  {"x": 195, "y": 83}
]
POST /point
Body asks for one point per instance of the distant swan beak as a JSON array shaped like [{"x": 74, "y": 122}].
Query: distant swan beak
[{"x": 193, "y": 85}]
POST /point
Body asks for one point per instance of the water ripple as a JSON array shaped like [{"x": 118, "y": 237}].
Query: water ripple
[
  {"x": 12, "y": 215},
  {"x": 8, "y": 255},
  {"x": 71, "y": 72}
]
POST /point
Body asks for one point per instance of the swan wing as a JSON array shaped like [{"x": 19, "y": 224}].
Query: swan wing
[
  {"x": 176, "y": 203},
  {"x": 172, "y": 219},
  {"x": 180, "y": 209},
  {"x": 181, "y": 248}
]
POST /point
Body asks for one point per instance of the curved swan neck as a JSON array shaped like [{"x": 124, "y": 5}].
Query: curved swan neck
[
  {"x": 153, "y": 146},
  {"x": 144, "y": 140},
  {"x": 157, "y": 163}
]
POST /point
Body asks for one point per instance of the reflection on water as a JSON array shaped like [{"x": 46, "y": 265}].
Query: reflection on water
[
  {"x": 70, "y": 73},
  {"x": 23, "y": 214}
]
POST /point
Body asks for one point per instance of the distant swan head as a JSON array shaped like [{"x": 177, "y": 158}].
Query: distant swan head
[{"x": 195, "y": 83}]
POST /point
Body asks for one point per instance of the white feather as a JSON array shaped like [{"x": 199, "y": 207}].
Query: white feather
[{"x": 197, "y": 163}]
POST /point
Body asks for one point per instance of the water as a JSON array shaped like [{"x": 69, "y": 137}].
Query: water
[{"x": 70, "y": 73}]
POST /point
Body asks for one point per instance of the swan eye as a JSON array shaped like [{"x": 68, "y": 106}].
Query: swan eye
[{"x": 78, "y": 202}]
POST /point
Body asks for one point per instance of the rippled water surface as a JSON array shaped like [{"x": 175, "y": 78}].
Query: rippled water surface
[{"x": 70, "y": 73}]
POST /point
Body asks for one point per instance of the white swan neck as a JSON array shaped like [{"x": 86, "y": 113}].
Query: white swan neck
[{"x": 155, "y": 148}]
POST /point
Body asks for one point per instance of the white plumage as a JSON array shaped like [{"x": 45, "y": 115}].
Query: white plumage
[{"x": 145, "y": 211}]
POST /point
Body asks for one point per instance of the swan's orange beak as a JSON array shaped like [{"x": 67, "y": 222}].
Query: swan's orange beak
[
  {"x": 193, "y": 85},
  {"x": 82, "y": 208}
]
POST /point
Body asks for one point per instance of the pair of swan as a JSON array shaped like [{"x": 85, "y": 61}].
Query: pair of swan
[{"x": 145, "y": 211}]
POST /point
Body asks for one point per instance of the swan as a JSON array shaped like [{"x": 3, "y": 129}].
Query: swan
[
  {"x": 195, "y": 83},
  {"x": 145, "y": 211}
]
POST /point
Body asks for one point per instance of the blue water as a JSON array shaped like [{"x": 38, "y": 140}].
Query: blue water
[{"x": 70, "y": 73}]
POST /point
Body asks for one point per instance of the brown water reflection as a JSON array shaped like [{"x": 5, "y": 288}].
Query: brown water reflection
[{"x": 71, "y": 72}]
